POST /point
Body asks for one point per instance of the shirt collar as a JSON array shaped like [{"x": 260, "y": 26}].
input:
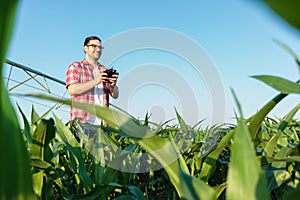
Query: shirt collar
[{"x": 85, "y": 62}]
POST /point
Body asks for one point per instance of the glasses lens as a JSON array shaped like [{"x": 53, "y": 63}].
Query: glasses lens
[{"x": 95, "y": 46}]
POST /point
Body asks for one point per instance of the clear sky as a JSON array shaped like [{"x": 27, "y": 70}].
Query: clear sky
[{"x": 233, "y": 40}]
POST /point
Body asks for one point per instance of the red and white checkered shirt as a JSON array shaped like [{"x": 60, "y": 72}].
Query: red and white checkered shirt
[{"x": 81, "y": 72}]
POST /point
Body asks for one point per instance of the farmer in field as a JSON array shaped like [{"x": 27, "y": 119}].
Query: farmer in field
[{"x": 87, "y": 81}]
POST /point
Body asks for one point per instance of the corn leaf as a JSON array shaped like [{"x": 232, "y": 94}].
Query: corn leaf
[
  {"x": 219, "y": 189},
  {"x": 290, "y": 51},
  {"x": 209, "y": 164},
  {"x": 195, "y": 188},
  {"x": 27, "y": 130},
  {"x": 35, "y": 117},
  {"x": 285, "y": 159},
  {"x": 278, "y": 174},
  {"x": 270, "y": 147},
  {"x": 16, "y": 178},
  {"x": 7, "y": 17},
  {"x": 75, "y": 151},
  {"x": 280, "y": 84},
  {"x": 137, "y": 192},
  {"x": 288, "y": 10},
  {"x": 257, "y": 119},
  {"x": 293, "y": 195},
  {"x": 245, "y": 179},
  {"x": 41, "y": 138},
  {"x": 244, "y": 171},
  {"x": 40, "y": 149}
]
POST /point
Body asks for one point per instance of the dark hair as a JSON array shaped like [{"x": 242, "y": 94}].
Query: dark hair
[{"x": 86, "y": 41}]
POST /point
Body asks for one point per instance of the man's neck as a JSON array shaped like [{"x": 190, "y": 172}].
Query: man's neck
[{"x": 91, "y": 61}]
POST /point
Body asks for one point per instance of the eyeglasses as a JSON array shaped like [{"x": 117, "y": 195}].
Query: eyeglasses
[{"x": 95, "y": 46}]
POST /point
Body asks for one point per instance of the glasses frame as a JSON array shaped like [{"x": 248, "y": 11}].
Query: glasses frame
[{"x": 94, "y": 46}]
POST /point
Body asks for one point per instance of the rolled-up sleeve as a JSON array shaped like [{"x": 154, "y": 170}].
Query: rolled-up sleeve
[{"x": 72, "y": 75}]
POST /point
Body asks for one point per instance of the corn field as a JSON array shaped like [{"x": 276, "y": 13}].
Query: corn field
[{"x": 255, "y": 158}]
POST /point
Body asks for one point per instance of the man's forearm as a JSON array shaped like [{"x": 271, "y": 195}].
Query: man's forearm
[
  {"x": 114, "y": 91},
  {"x": 79, "y": 88}
]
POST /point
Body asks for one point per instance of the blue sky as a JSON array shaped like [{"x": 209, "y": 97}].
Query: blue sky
[{"x": 237, "y": 36}]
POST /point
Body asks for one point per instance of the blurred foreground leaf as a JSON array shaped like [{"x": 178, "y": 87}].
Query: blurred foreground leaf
[
  {"x": 287, "y": 9},
  {"x": 15, "y": 174}
]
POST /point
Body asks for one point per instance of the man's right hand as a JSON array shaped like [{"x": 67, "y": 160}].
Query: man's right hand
[{"x": 101, "y": 77}]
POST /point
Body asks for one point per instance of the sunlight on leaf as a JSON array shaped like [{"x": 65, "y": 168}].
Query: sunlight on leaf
[
  {"x": 244, "y": 169},
  {"x": 282, "y": 85}
]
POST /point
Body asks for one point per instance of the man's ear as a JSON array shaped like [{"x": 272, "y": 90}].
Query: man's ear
[{"x": 85, "y": 49}]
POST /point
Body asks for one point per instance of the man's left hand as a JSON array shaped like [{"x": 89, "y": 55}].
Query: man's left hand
[{"x": 113, "y": 80}]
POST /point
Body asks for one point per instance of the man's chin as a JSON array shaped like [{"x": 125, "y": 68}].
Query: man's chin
[{"x": 97, "y": 56}]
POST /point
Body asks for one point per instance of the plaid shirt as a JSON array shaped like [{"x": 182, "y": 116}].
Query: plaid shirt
[{"x": 81, "y": 72}]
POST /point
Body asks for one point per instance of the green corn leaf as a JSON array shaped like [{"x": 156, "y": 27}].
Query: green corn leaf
[
  {"x": 40, "y": 150},
  {"x": 280, "y": 84},
  {"x": 41, "y": 138},
  {"x": 126, "y": 197},
  {"x": 182, "y": 123},
  {"x": 285, "y": 159},
  {"x": 136, "y": 192},
  {"x": 35, "y": 117},
  {"x": 7, "y": 17},
  {"x": 80, "y": 164},
  {"x": 257, "y": 119},
  {"x": 166, "y": 152},
  {"x": 75, "y": 151},
  {"x": 16, "y": 179},
  {"x": 27, "y": 130},
  {"x": 239, "y": 107},
  {"x": 43, "y": 165},
  {"x": 15, "y": 174},
  {"x": 104, "y": 175},
  {"x": 288, "y": 10},
  {"x": 290, "y": 51},
  {"x": 65, "y": 134},
  {"x": 95, "y": 193},
  {"x": 278, "y": 175},
  {"x": 98, "y": 193},
  {"x": 244, "y": 176},
  {"x": 245, "y": 180},
  {"x": 293, "y": 195},
  {"x": 195, "y": 188},
  {"x": 209, "y": 164},
  {"x": 219, "y": 189},
  {"x": 38, "y": 183},
  {"x": 270, "y": 147},
  {"x": 146, "y": 120}
]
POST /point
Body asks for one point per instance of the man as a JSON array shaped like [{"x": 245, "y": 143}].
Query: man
[{"x": 87, "y": 82}]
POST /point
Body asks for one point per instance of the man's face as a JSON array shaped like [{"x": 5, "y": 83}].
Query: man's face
[{"x": 93, "y": 49}]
